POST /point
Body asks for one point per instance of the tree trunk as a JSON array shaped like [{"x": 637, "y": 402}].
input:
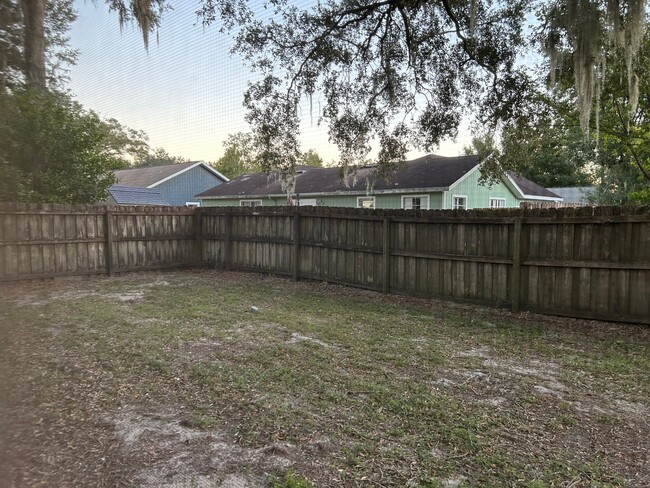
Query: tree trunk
[{"x": 34, "y": 38}]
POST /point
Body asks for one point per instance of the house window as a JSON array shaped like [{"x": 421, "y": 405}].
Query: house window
[
  {"x": 415, "y": 202},
  {"x": 250, "y": 203},
  {"x": 365, "y": 202},
  {"x": 497, "y": 202},
  {"x": 193, "y": 204},
  {"x": 304, "y": 202},
  {"x": 459, "y": 202}
]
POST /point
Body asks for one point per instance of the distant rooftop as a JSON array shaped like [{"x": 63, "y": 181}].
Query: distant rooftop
[
  {"x": 151, "y": 175},
  {"x": 531, "y": 188},
  {"x": 128, "y": 195},
  {"x": 574, "y": 194}
]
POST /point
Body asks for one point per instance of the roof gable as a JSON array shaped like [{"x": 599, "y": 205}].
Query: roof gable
[{"x": 154, "y": 175}]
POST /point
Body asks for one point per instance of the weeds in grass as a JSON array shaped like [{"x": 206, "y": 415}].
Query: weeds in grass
[
  {"x": 290, "y": 480},
  {"x": 402, "y": 392}
]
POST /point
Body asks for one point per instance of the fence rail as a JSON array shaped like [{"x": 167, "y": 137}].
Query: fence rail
[{"x": 591, "y": 262}]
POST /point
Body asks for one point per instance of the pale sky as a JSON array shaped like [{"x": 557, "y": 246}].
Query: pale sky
[{"x": 186, "y": 93}]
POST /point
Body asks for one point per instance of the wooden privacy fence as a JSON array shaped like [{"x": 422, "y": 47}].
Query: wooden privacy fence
[
  {"x": 584, "y": 262},
  {"x": 49, "y": 241}
]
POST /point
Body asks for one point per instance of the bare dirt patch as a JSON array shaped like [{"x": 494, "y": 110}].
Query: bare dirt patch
[{"x": 181, "y": 456}]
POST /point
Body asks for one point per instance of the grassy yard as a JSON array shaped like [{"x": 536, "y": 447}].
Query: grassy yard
[{"x": 174, "y": 380}]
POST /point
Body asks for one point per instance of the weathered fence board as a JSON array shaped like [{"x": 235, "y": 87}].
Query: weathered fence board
[
  {"x": 584, "y": 262},
  {"x": 47, "y": 241}
]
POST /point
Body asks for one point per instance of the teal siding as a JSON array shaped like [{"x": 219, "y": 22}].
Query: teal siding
[
  {"x": 234, "y": 202},
  {"x": 479, "y": 196},
  {"x": 184, "y": 187},
  {"x": 388, "y": 201}
]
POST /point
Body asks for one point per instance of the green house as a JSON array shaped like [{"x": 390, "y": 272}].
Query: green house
[{"x": 429, "y": 182}]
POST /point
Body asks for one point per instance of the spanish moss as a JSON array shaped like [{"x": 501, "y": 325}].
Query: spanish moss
[{"x": 590, "y": 36}]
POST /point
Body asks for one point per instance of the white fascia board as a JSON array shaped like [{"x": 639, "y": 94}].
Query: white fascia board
[
  {"x": 546, "y": 199},
  {"x": 198, "y": 163},
  {"x": 215, "y": 172},
  {"x": 512, "y": 182},
  {"x": 240, "y": 197},
  {"x": 465, "y": 176},
  {"x": 412, "y": 190}
]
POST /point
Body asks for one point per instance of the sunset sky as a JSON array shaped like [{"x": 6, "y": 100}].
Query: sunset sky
[{"x": 186, "y": 92}]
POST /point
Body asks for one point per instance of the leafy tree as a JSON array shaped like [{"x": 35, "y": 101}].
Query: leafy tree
[
  {"x": 240, "y": 156},
  {"x": 623, "y": 131},
  {"x": 33, "y": 42},
  {"x": 543, "y": 149},
  {"x": 399, "y": 72},
  {"x": 78, "y": 150},
  {"x": 404, "y": 72},
  {"x": 51, "y": 149},
  {"x": 157, "y": 157},
  {"x": 546, "y": 143},
  {"x": 620, "y": 126},
  {"x": 311, "y": 158},
  {"x": 10, "y": 44}
]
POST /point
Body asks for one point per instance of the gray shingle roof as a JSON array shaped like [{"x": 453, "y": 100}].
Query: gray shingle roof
[
  {"x": 128, "y": 195},
  {"x": 144, "y": 177},
  {"x": 576, "y": 194},
  {"x": 426, "y": 172},
  {"x": 531, "y": 188},
  {"x": 429, "y": 172}
]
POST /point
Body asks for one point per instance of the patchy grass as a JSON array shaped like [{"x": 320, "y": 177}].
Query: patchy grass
[{"x": 173, "y": 380}]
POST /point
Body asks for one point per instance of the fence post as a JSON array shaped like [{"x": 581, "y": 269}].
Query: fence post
[
  {"x": 386, "y": 256},
  {"x": 296, "y": 245},
  {"x": 108, "y": 254},
  {"x": 227, "y": 251},
  {"x": 198, "y": 236},
  {"x": 516, "y": 265}
]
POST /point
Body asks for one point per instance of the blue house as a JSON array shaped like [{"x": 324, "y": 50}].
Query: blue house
[
  {"x": 177, "y": 183},
  {"x": 134, "y": 195}
]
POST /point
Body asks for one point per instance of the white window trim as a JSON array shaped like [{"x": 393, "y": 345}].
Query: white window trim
[
  {"x": 365, "y": 198},
  {"x": 428, "y": 200},
  {"x": 453, "y": 206},
  {"x": 497, "y": 199},
  {"x": 193, "y": 204},
  {"x": 307, "y": 202},
  {"x": 242, "y": 202}
]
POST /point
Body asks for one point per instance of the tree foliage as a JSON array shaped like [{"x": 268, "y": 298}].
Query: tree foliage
[
  {"x": 543, "y": 147},
  {"x": 402, "y": 73},
  {"x": 156, "y": 157},
  {"x": 243, "y": 155},
  {"x": 546, "y": 142},
  {"x": 311, "y": 158},
  {"x": 240, "y": 156},
  {"x": 51, "y": 148},
  {"x": 77, "y": 150},
  {"x": 34, "y": 42},
  {"x": 587, "y": 32}
]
